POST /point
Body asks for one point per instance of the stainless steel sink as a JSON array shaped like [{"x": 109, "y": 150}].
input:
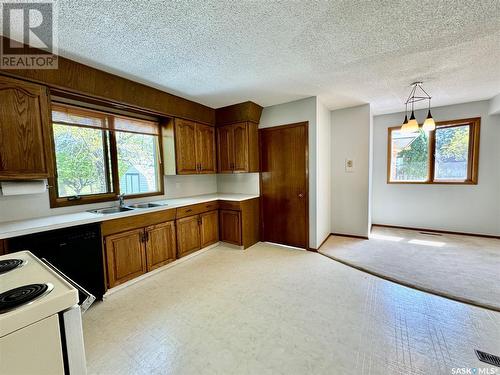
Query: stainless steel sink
[
  {"x": 144, "y": 205},
  {"x": 111, "y": 210}
]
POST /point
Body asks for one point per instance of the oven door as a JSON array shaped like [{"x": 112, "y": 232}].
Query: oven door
[{"x": 85, "y": 299}]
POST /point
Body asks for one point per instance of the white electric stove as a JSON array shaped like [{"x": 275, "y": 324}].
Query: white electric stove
[{"x": 40, "y": 319}]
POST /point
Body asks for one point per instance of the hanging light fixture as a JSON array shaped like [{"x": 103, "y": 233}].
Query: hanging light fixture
[
  {"x": 411, "y": 125},
  {"x": 429, "y": 123}
]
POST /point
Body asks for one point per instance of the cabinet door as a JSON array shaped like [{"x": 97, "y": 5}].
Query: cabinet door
[
  {"x": 188, "y": 235},
  {"x": 185, "y": 146},
  {"x": 205, "y": 148},
  {"x": 240, "y": 146},
  {"x": 225, "y": 150},
  {"x": 125, "y": 255},
  {"x": 230, "y": 226},
  {"x": 160, "y": 244},
  {"x": 209, "y": 230},
  {"x": 24, "y": 130}
]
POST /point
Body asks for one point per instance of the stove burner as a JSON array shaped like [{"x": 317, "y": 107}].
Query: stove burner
[
  {"x": 9, "y": 264},
  {"x": 22, "y": 295}
]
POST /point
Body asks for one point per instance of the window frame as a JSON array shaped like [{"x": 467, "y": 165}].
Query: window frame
[
  {"x": 112, "y": 162},
  {"x": 473, "y": 158}
]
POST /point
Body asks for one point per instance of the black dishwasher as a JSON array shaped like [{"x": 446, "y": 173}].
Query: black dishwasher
[{"x": 75, "y": 251}]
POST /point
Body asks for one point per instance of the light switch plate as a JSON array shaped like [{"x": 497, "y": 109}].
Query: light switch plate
[{"x": 349, "y": 165}]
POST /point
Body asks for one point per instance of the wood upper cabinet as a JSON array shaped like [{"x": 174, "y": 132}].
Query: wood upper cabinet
[
  {"x": 160, "y": 245},
  {"x": 237, "y": 148},
  {"x": 24, "y": 130},
  {"x": 188, "y": 235},
  {"x": 185, "y": 147},
  {"x": 230, "y": 224},
  {"x": 209, "y": 228},
  {"x": 225, "y": 150},
  {"x": 194, "y": 147},
  {"x": 205, "y": 148},
  {"x": 125, "y": 255},
  {"x": 240, "y": 144}
]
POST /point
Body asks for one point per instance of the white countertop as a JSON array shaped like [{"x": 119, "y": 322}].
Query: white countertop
[{"x": 42, "y": 224}]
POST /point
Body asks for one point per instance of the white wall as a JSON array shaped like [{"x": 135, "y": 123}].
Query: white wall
[
  {"x": 292, "y": 112},
  {"x": 461, "y": 208},
  {"x": 351, "y": 190},
  {"x": 238, "y": 183},
  {"x": 495, "y": 105},
  {"x": 37, "y": 205},
  {"x": 323, "y": 174}
]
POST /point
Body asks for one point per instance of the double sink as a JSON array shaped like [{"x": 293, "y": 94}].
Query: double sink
[{"x": 129, "y": 207}]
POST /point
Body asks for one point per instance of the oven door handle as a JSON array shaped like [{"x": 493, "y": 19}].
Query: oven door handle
[{"x": 89, "y": 297}]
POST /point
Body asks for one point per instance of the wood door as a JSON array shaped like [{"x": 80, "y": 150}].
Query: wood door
[
  {"x": 185, "y": 147},
  {"x": 240, "y": 147},
  {"x": 209, "y": 229},
  {"x": 160, "y": 244},
  {"x": 24, "y": 130},
  {"x": 284, "y": 185},
  {"x": 188, "y": 235},
  {"x": 205, "y": 148},
  {"x": 230, "y": 226},
  {"x": 126, "y": 258},
  {"x": 225, "y": 151}
]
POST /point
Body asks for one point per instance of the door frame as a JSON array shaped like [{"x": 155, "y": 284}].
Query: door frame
[{"x": 304, "y": 124}]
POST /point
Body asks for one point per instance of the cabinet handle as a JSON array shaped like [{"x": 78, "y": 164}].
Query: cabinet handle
[{"x": 189, "y": 210}]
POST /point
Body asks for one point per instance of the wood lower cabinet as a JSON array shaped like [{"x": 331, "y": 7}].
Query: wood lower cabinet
[
  {"x": 209, "y": 228},
  {"x": 194, "y": 147},
  {"x": 125, "y": 255},
  {"x": 138, "y": 244},
  {"x": 160, "y": 245},
  {"x": 25, "y": 140},
  {"x": 197, "y": 231},
  {"x": 230, "y": 224},
  {"x": 188, "y": 235},
  {"x": 239, "y": 222}
]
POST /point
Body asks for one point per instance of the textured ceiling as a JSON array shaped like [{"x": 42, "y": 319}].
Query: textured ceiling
[{"x": 347, "y": 52}]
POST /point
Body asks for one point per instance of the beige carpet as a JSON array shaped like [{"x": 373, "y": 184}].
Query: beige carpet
[{"x": 462, "y": 268}]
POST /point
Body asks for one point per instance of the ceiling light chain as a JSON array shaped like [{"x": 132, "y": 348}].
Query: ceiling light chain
[{"x": 411, "y": 125}]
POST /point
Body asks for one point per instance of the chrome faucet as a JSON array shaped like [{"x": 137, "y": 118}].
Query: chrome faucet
[{"x": 121, "y": 199}]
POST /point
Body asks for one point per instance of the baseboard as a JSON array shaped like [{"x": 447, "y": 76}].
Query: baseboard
[
  {"x": 350, "y": 235},
  {"x": 159, "y": 269},
  {"x": 437, "y": 231},
  {"x": 322, "y": 243}
]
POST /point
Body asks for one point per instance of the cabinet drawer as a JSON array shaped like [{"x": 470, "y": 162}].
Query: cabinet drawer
[
  {"x": 137, "y": 221},
  {"x": 229, "y": 205},
  {"x": 195, "y": 209}
]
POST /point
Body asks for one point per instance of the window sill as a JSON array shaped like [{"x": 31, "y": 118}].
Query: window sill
[{"x": 442, "y": 182}]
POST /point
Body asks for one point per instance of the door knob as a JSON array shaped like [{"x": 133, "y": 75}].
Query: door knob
[{"x": 301, "y": 195}]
